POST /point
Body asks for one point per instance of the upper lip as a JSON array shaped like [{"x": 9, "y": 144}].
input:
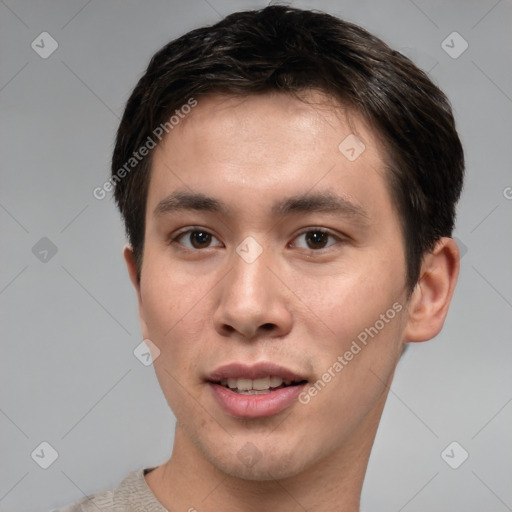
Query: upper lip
[{"x": 253, "y": 371}]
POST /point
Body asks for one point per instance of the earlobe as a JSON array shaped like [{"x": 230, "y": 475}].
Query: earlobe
[
  {"x": 431, "y": 297},
  {"x": 134, "y": 278}
]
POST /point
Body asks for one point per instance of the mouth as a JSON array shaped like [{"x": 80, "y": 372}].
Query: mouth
[
  {"x": 252, "y": 391},
  {"x": 261, "y": 386}
]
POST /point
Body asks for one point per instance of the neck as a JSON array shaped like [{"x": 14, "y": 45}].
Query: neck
[{"x": 188, "y": 481}]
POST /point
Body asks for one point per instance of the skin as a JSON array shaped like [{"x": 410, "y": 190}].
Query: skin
[{"x": 299, "y": 304}]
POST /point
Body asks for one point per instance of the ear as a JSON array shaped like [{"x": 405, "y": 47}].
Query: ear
[
  {"x": 132, "y": 271},
  {"x": 432, "y": 294}
]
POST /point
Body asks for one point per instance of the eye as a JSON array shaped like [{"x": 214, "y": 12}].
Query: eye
[
  {"x": 194, "y": 239},
  {"x": 316, "y": 239}
]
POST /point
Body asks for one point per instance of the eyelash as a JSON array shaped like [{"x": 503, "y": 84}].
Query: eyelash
[{"x": 174, "y": 239}]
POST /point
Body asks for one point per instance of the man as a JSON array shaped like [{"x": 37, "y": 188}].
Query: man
[{"x": 288, "y": 185}]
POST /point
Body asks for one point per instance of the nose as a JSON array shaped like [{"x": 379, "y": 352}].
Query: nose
[{"x": 253, "y": 300}]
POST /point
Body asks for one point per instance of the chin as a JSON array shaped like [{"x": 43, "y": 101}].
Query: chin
[
  {"x": 260, "y": 472},
  {"x": 270, "y": 463}
]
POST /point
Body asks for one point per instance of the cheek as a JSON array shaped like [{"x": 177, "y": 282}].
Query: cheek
[
  {"x": 175, "y": 320},
  {"x": 357, "y": 331},
  {"x": 341, "y": 306},
  {"x": 354, "y": 369},
  {"x": 174, "y": 313},
  {"x": 368, "y": 323}
]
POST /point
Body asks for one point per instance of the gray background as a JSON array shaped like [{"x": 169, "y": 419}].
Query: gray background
[{"x": 69, "y": 322}]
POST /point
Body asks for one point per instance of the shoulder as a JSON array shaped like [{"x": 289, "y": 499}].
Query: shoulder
[
  {"x": 103, "y": 501},
  {"x": 132, "y": 494}
]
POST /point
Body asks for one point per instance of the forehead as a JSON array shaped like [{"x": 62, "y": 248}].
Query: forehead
[
  {"x": 247, "y": 150},
  {"x": 294, "y": 124}
]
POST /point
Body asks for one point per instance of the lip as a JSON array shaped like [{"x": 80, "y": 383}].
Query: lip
[
  {"x": 255, "y": 406},
  {"x": 253, "y": 371}
]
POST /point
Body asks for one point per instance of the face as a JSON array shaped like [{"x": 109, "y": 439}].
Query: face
[{"x": 272, "y": 281}]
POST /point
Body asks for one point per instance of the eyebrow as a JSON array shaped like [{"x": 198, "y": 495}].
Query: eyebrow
[{"x": 318, "y": 202}]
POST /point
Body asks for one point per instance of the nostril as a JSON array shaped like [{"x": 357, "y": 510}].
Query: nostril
[{"x": 268, "y": 326}]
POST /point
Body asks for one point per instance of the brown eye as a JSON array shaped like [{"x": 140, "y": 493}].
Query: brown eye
[
  {"x": 315, "y": 239},
  {"x": 199, "y": 239},
  {"x": 195, "y": 239}
]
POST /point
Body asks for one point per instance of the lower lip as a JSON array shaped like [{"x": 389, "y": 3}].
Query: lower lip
[{"x": 255, "y": 406}]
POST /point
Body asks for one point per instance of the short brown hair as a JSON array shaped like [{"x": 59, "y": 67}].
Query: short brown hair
[{"x": 289, "y": 50}]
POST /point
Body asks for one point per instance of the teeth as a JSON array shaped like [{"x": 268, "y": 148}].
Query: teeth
[
  {"x": 244, "y": 384},
  {"x": 261, "y": 384},
  {"x": 275, "y": 382}
]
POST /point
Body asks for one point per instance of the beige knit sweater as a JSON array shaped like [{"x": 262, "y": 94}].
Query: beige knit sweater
[{"x": 131, "y": 495}]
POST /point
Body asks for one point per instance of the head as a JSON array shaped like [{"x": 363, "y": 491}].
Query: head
[{"x": 258, "y": 127}]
